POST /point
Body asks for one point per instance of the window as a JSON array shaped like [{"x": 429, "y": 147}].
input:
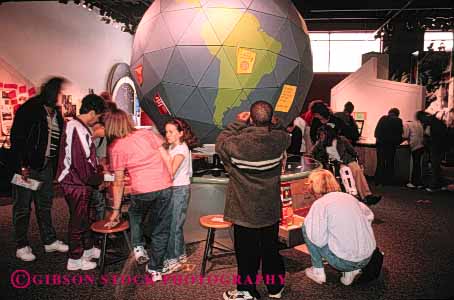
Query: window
[
  {"x": 341, "y": 51},
  {"x": 438, "y": 39}
]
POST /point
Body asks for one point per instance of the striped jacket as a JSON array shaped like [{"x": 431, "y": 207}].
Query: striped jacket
[{"x": 252, "y": 156}]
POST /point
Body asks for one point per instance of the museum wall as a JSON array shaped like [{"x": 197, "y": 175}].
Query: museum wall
[{"x": 43, "y": 38}]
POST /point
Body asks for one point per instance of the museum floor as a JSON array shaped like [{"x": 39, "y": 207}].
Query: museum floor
[{"x": 413, "y": 228}]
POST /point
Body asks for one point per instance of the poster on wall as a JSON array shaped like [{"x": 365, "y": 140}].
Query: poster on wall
[{"x": 12, "y": 96}]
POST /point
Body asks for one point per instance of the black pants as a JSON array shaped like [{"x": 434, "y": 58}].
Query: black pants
[
  {"x": 22, "y": 199},
  {"x": 416, "y": 172},
  {"x": 255, "y": 245},
  {"x": 436, "y": 153},
  {"x": 384, "y": 173}
]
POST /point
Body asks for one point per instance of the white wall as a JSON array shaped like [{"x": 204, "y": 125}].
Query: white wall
[
  {"x": 376, "y": 97},
  {"x": 41, "y": 39}
]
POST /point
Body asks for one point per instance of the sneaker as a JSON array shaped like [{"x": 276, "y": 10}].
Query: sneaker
[
  {"x": 93, "y": 253},
  {"x": 155, "y": 275},
  {"x": 80, "y": 264},
  {"x": 411, "y": 185},
  {"x": 348, "y": 277},
  {"x": 372, "y": 199},
  {"x": 316, "y": 274},
  {"x": 141, "y": 255},
  {"x": 171, "y": 266},
  {"x": 56, "y": 246},
  {"x": 237, "y": 295},
  {"x": 183, "y": 259},
  {"x": 25, "y": 254},
  {"x": 277, "y": 295}
]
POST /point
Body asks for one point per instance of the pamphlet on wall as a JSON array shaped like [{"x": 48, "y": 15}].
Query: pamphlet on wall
[{"x": 31, "y": 184}]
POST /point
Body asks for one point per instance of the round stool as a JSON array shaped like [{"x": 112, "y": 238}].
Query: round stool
[
  {"x": 122, "y": 227},
  {"x": 213, "y": 222}
]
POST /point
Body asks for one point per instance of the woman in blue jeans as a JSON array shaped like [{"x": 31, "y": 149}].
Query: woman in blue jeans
[
  {"x": 180, "y": 139},
  {"x": 337, "y": 228}
]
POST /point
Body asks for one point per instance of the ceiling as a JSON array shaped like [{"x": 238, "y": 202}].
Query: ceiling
[{"x": 319, "y": 15}]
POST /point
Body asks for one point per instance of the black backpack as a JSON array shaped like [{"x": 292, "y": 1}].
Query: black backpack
[{"x": 372, "y": 270}]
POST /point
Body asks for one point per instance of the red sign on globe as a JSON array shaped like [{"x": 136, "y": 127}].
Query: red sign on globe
[{"x": 160, "y": 104}]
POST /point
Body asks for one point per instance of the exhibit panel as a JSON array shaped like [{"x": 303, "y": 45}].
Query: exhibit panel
[{"x": 374, "y": 97}]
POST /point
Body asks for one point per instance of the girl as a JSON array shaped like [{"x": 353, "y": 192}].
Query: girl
[{"x": 180, "y": 140}]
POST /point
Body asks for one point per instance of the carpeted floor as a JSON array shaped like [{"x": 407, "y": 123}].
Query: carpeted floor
[{"x": 413, "y": 228}]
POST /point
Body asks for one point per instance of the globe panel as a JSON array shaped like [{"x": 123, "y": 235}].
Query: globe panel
[
  {"x": 223, "y": 20},
  {"x": 198, "y": 59},
  {"x": 178, "y": 21},
  {"x": 170, "y": 5},
  {"x": 224, "y": 3},
  {"x": 208, "y": 80},
  {"x": 273, "y": 7}
]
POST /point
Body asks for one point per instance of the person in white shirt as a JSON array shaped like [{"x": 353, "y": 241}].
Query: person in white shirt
[
  {"x": 414, "y": 133},
  {"x": 337, "y": 228},
  {"x": 180, "y": 140}
]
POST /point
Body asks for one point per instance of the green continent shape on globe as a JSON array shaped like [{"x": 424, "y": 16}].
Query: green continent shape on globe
[{"x": 247, "y": 33}]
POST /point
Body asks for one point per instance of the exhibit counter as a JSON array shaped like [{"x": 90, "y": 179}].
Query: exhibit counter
[{"x": 208, "y": 195}]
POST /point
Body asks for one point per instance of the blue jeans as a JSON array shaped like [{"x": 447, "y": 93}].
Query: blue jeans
[
  {"x": 43, "y": 198},
  {"x": 180, "y": 201},
  {"x": 317, "y": 253},
  {"x": 158, "y": 205}
]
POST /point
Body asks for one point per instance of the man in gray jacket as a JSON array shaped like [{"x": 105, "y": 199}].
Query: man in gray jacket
[{"x": 252, "y": 149}]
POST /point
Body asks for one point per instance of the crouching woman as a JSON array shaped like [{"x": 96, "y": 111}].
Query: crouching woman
[{"x": 338, "y": 229}]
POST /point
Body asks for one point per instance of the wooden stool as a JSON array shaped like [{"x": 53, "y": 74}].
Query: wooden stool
[
  {"x": 213, "y": 222},
  {"x": 98, "y": 227}
]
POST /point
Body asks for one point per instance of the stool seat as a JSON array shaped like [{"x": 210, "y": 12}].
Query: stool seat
[
  {"x": 99, "y": 227},
  {"x": 214, "y": 221}
]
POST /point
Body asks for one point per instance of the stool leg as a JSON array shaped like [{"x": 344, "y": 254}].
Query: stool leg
[
  {"x": 102, "y": 259},
  {"x": 212, "y": 243},
  {"x": 128, "y": 242},
  {"x": 205, "y": 253}
]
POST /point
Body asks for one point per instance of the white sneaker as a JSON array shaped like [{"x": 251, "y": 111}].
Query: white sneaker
[
  {"x": 25, "y": 254},
  {"x": 348, "y": 277},
  {"x": 155, "y": 275},
  {"x": 93, "y": 253},
  {"x": 80, "y": 264},
  {"x": 411, "y": 185},
  {"x": 316, "y": 274},
  {"x": 141, "y": 255},
  {"x": 277, "y": 295},
  {"x": 56, "y": 246},
  {"x": 171, "y": 266},
  {"x": 237, "y": 295}
]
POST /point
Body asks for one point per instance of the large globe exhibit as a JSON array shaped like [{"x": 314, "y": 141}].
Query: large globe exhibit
[{"x": 206, "y": 60}]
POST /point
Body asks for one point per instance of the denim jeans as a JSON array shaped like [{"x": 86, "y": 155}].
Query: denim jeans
[
  {"x": 43, "y": 197},
  {"x": 179, "y": 204},
  {"x": 317, "y": 253},
  {"x": 98, "y": 203},
  {"x": 158, "y": 205}
]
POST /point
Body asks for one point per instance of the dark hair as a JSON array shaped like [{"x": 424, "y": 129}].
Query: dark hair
[
  {"x": 394, "y": 112},
  {"x": 188, "y": 136},
  {"x": 106, "y": 96},
  {"x": 330, "y": 135},
  {"x": 349, "y": 107},
  {"x": 50, "y": 90},
  {"x": 92, "y": 102},
  {"x": 261, "y": 113},
  {"x": 422, "y": 117},
  {"x": 321, "y": 109}
]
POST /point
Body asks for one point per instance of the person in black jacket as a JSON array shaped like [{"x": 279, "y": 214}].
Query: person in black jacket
[
  {"x": 388, "y": 135},
  {"x": 35, "y": 140},
  {"x": 436, "y": 141},
  {"x": 252, "y": 150},
  {"x": 323, "y": 116},
  {"x": 348, "y": 119}
]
